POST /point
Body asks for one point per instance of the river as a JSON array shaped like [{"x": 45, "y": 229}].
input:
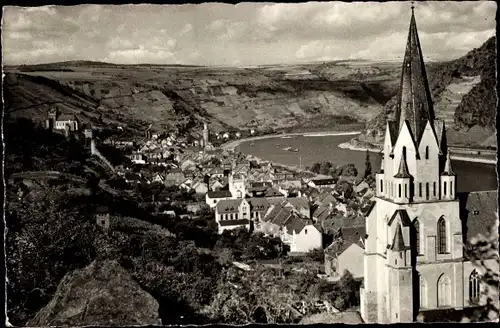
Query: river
[{"x": 471, "y": 176}]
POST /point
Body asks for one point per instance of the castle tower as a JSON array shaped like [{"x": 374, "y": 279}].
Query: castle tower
[
  {"x": 237, "y": 185},
  {"x": 414, "y": 229},
  {"x": 51, "y": 118}
]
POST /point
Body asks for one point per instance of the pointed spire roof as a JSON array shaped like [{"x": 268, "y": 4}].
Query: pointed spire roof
[
  {"x": 448, "y": 170},
  {"x": 403, "y": 168},
  {"x": 398, "y": 244},
  {"x": 414, "y": 99}
]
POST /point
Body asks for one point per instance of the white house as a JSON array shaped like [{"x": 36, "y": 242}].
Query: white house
[
  {"x": 232, "y": 214},
  {"x": 213, "y": 197},
  {"x": 200, "y": 187},
  {"x": 305, "y": 236}
]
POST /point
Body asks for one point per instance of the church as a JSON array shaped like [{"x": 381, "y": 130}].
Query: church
[{"x": 414, "y": 258}]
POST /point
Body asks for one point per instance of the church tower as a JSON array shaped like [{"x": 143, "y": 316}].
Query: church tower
[{"x": 414, "y": 247}]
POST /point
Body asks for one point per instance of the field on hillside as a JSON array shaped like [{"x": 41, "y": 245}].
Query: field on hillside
[{"x": 260, "y": 97}]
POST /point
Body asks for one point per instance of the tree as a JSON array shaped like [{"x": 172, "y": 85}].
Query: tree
[
  {"x": 315, "y": 167},
  {"x": 325, "y": 168},
  {"x": 368, "y": 165}
]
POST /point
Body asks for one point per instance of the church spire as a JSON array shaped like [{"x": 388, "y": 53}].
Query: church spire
[
  {"x": 414, "y": 101},
  {"x": 448, "y": 170}
]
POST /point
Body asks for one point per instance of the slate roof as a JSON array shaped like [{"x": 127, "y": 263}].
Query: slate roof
[
  {"x": 225, "y": 223},
  {"x": 258, "y": 204},
  {"x": 295, "y": 223},
  {"x": 219, "y": 194},
  {"x": 478, "y": 212},
  {"x": 398, "y": 243},
  {"x": 272, "y": 192},
  {"x": 439, "y": 128},
  {"x": 282, "y": 216},
  {"x": 403, "y": 172},
  {"x": 405, "y": 219},
  {"x": 414, "y": 99},
  {"x": 272, "y": 214},
  {"x": 299, "y": 202},
  {"x": 393, "y": 130},
  {"x": 228, "y": 205}
]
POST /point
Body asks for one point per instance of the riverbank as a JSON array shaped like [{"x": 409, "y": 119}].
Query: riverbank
[
  {"x": 348, "y": 145},
  {"x": 231, "y": 145}
]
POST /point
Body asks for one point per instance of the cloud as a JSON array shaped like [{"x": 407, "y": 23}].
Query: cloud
[
  {"x": 249, "y": 33},
  {"x": 186, "y": 29},
  {"x": 139, "y": 55}
]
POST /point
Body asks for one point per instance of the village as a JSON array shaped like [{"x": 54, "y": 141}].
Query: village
[{"x": 306, "y": 211}]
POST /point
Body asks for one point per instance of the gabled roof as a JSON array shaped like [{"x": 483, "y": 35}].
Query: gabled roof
[
  {"x": 219, "y": 194},
  {"x": 282, "y": 217},
  {"x": 405, "y": 219},
  {"x": 272, "y": 192},
  {"x": 299, "y": 202},
  {"x": 296, "y": 224},
  {"x": 228, "y": 205},
  {"x": 258, "y": 204},
  {"x": 398, "y": 243},
  {"x": 273, "y": 213}
]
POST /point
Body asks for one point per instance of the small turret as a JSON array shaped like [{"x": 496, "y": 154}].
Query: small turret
[
  {"x": 448, "y": 180},
  {"x": 402, "y": 182}
]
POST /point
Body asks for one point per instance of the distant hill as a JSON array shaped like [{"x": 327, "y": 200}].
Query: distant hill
[
  {"x": 316, "y": 95},
  {"x": 464, "y": 95}
]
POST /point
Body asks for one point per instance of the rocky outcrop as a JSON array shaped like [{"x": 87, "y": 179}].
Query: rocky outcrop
[{"x": 102, "y": 294}]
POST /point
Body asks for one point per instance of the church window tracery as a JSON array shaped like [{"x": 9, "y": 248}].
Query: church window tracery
[
  {"x": 444, "y": 291},
  {"x": 441, "y": 235},
  {"x": 416, "y": 229},
  {"x": 474, "y": 287}
]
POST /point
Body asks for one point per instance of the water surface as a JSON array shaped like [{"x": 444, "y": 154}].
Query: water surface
[{"x": 471, "y": 176}]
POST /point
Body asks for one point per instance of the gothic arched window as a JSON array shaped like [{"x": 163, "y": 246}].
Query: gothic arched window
[
  {"x": 427, "y": 190},
  {"x": 420, "y": 189},
  {"x": 426, "y": 152},
  {"x": 451, "y": 188},
  {"x": 444, "y": 188},
  {"x": 444, "y": 291},
  {"x": 416, "y": 231},
  {"x": 474, "y": 287},
  {"x": 423, "y": 292},
  {"x": 434, "y": 188},
  {"x": 441, "y": 235},
  {"x": 381, "y": 186},
  {"x": 406, "y": 191},
  {"x": 399, "y": 190},
  {"x": 404, "y": 152}
]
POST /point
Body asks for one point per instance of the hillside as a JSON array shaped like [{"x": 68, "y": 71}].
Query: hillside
[
  {"x": 263, "y": 98},
  {"x": 321, "y": 95},
  {"x": 464, "y": 95}
]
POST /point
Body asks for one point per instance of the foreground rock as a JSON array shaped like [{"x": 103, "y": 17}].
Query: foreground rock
[{"x": 103, "y": 294}]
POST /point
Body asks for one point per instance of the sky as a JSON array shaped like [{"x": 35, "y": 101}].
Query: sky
[{"x": 245, "y": 34}]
